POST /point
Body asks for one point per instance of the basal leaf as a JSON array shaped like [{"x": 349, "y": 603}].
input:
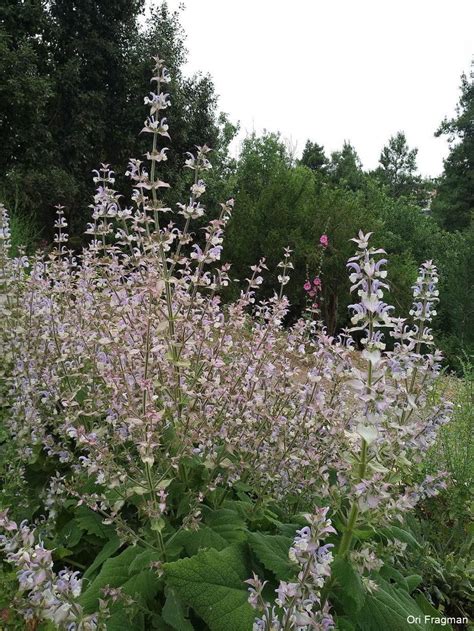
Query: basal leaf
[
  {"x": 272, "y": 551},
  {"x": 196, "y": 540},
  {"x": 109, "y": 548},
  {"x": 212, "y": 583},
  {"x": 227, "y": 523},
  {"x": 91, "y": 522},
  {"x": 349, "y": 590},
  {"x": 173, "y": 612},
  {"x": 390, "y": 608},
  {"x": 428, "y": 609},
  {"x": 142, "y": 583}
]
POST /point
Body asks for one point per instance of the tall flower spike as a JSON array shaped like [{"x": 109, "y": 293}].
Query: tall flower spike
[
  {"x": 367, "y": 278},
  {"x": 60, "y": 224},
  {"x": 146, "y": 180},
  {"x": 4, "y": 231},
  {"x": 425, "y": 294}
]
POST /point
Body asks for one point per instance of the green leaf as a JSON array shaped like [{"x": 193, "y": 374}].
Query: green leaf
[
  {"x": 389, "y": 573},
  {"x": 288, "y": 530},
  {"x": 349, "y": 590},
  {"x": 389, "y": 608},
  {"x": 413, "y": 581},
  {"x": 141, "y": 584},
  {"x": 363, "y": 535},
  {"x": 70, "y": 534},
  {"x": 109, "y": 548},
  {"x": 196, "y": 540},
  {"x": 173, "y": 612},
  {"x": 114, "y": 572},
  {"x": 91, "y": 522},
  {"x": 394, "y": 532},
  {"x": 227, "y": 523},
  {"x": 272, "y": 551},
  {"x": 212, "y": 583},
  {"x": 428, "y": 609},
  {"x": 119, "y": 620},
  {"x": 61, "y": 552},
  {"x": 142, "y": 561},
  {"x": 344, "y": 624}
]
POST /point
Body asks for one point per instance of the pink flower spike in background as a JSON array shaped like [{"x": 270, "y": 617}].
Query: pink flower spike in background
[{"x": 324, "y": 240}]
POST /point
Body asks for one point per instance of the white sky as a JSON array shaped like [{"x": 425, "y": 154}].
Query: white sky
[{"x": 336, "y": 70}]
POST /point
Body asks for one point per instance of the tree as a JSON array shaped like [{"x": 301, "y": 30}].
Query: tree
[
  {"x": 71, "y": 97},
  {"x": 453, "y": 204},
  {"x": 398, "y": 168},
  {"x": 314, "y": 157},
  {"x": 345, "y": 168}
]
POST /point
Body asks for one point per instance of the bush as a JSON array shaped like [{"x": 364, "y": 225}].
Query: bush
[{"x": 168, "y": 450}]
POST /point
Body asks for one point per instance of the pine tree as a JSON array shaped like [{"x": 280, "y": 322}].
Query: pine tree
[
  {"x": 398, "y": 169},
  {"x": 314, "y": 157},
  {"x": 453, "y": 204}
]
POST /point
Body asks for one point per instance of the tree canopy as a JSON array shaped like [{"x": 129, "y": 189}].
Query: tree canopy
[{"x": 453, "y": 204}]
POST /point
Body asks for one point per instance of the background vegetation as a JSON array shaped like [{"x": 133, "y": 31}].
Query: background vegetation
[
  {"x": 72, "y": 78},
  {"x": 72, "y": 75}
]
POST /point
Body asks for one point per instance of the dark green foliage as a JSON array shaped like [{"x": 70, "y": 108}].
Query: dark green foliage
[
  {"x": 345, "y": 168},
  {"x": 388, "y": 608},
  {"x": 212, "y": 583},
  {"x": 453, "y": 204},
  {"x": 281, "y": 204},
  {"x": 272, "y": 551},
  {"x": 314, "y": 157},
  {"x": 73, "y": 78},
  {"x": 398, "y": 168}
]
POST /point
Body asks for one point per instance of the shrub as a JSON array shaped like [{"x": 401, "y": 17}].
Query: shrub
[{"x": 170, "y": 446}]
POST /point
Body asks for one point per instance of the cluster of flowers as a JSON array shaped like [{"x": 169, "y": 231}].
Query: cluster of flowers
[
  {"x": 314, "y": 287},
  {"x": 50, "y": 596},
  {"x": 125, "y": 365},
  {"x": 298, "y": 603}
]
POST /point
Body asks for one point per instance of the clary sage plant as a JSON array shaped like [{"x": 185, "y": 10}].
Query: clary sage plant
[{"x": 177, "y": 441}]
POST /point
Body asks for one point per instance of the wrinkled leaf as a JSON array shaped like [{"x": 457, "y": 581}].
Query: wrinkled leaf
[
  {"x": 272, "y": 551},
  {"x": 212, "y": 583}
]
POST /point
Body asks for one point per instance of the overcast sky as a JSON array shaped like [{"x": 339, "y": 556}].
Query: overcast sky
[{"x": 357, "y": 70}]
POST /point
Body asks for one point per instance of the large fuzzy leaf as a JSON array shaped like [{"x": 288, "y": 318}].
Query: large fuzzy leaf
[
  {"x": 91, "y": 522},
  {"x": 205, "y": 537},
  {"x": 173, "y": 612},
  {"x": 212, "y": 583},
  {"x": 272, "y": 551},
  {"x": 141, "y": 582},
  {"x": 388, "y": 608},
  {"x": 227, "y": 523},
  {"x": 107, "y": 551},
  {"x": 348, "y": 590}
]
